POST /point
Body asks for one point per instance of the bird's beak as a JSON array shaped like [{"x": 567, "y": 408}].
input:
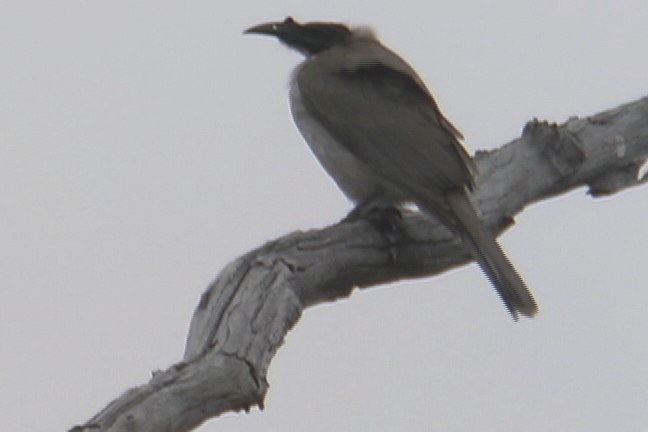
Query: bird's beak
[{"x": 271, "y": 29}]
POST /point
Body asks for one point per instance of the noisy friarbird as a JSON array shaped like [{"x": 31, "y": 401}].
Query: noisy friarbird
[{"x": 376, "y": 129}]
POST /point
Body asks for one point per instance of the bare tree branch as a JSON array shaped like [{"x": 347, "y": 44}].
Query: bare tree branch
[{"x": 243, "y": 316}]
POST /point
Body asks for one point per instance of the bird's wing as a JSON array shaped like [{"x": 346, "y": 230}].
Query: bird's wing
[{"x": 389, "y": 121}]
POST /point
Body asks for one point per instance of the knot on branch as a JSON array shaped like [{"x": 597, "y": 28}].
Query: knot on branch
[{"x": 562, "y": 150}]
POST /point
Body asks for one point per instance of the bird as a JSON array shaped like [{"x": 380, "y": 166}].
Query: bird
[{"x": 376, "y": 129}]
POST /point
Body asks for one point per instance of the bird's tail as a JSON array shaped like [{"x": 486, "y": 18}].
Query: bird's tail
[{"x": 491, "y": 258}]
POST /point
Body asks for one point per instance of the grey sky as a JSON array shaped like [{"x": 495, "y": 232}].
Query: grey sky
[{"x": 144, "y": 145}]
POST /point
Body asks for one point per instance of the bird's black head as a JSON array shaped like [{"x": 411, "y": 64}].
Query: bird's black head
[{"x": 310, "y": 38}]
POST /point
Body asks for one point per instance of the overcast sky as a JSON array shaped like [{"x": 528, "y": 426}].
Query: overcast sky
[{"x": 144, "y": 145}]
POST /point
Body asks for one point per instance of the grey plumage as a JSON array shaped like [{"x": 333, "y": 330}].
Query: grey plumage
[{"x": 378, "y": 132}]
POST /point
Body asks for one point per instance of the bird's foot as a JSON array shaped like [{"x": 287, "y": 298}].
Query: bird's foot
[{"x": 387, "y": 221}]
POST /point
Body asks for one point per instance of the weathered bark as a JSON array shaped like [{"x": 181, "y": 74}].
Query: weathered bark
[{"x": 243, "y": 316}]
